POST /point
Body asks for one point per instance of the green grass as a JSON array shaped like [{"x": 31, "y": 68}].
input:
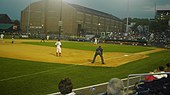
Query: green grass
[
  {"x": 92, "y": 47},
  {"x": 46, "y": 82},
  {"x": 40, "y": 78}
]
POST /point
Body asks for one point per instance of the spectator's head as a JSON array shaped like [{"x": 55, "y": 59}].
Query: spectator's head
[
  {"x": 115, "y": 87},
  {"x": 65, "y": 86},
  {"x": 161, "y": 68},
  {"x": 168, "y": 65}
]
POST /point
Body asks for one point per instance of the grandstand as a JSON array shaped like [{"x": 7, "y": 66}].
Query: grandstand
[{"x": 130, "y": 84}]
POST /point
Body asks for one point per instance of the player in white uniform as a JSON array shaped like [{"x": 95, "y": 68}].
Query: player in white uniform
[
  {"x": 95, "y": 40},
  {"x": 58, "y": 47},
  {"x": 2, "y": 36},
  {"x": 48, "y": 37}
]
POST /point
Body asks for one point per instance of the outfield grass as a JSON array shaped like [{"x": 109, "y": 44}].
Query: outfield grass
[
  {"x": 92, "y": 47},
  {"x": 40, "y": 78}
]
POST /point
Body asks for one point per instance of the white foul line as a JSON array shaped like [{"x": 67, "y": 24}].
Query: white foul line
[{"x": 11, "y": 78}]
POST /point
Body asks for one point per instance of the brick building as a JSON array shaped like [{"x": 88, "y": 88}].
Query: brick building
[
  {"x": 51, "y": 16},
  {"x": 162, "y": 18},
  {"x": 163, "y": 14},
  {"x": 6, "y": 24}
]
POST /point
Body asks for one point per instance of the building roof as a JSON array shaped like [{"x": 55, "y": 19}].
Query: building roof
[
  {"x": 5, "y": 26},
  {"x": 4, "y": 15},
  {"x": 4, "y": 18},
  {"x": 92, "y": 11},
  {"x": 163, "y": 10}
]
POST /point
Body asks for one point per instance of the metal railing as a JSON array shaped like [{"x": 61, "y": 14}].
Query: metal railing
[
  {"x": 140, "y": 75},
  {"x": 99, "y": 88}
]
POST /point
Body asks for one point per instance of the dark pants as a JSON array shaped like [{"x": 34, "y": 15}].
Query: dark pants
[{"x": 101, "y": 56}]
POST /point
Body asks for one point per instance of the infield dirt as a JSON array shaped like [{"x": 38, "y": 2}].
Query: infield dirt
[{"x": 69, "y": 56}]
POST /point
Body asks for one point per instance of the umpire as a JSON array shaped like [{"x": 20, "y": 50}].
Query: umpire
[{"x": 99, "y": 51}]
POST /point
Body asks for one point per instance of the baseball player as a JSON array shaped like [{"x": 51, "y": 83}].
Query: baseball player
[
  {"x": 99, "y": 51},
  {"x": 95, "y": 40},
  {"x": 13, "y": 39},
  {"x": 58, "y": 47},
  {"x": 2, "y": 36}
]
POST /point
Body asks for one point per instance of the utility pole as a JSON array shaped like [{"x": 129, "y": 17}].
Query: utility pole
[
  {"x": 60, "y": 21},
  {"x": 155, "y": 10},
  {"x": 28, "y": 18},
  {"x": 127, "y": 20}
]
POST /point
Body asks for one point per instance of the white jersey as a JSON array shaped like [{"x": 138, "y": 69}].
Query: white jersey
[
  {"x": 2, "y": 36},
  {"x": 95, "y": 40},
  {"x": 48, "y": 37},
  {"x": 161, "y": 75},
  {"x": 58, "y": 44}
]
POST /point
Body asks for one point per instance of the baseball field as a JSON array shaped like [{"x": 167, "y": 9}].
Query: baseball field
[{"x": 30, "y": 67}]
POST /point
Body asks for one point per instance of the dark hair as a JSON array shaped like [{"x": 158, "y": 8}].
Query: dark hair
[
  {"x": 65, "y": 86},
  {"x": 161, "y": 68},
  {"x": 168, "y": 64}
]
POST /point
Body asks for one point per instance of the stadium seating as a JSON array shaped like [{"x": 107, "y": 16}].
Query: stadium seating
[
  {"x": 156, "y": 87},
  {"x": 134, "y": 85}
]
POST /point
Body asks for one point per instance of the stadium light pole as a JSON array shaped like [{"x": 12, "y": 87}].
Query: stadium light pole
[
  {"x": 60, "y": 21},
  {"x": 28, "y": 17},
  {"x": 127, "y": 20},
  {"x": 42, "y": 26},
  {"x": 98, "y": 29},
  {"x": 127, "y": 28},
  {"x": 155, "y": 10}
]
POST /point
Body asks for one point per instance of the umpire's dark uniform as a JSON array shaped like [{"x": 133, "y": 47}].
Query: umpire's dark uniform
[{"x": 99, "y": 51}]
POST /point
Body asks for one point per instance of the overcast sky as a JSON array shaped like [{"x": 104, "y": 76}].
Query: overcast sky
[{"x": 137, "y": 8}]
